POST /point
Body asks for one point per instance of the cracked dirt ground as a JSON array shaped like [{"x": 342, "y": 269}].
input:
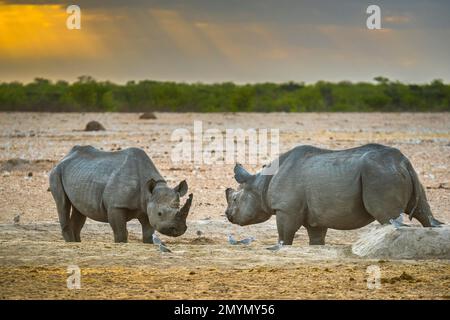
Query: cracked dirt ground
[{"x": 34, "y": 258}]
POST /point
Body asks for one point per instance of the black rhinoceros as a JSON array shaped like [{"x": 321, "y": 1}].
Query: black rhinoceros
[
  {"x": 116, "y": 187},
  {"x": 321, "y": 189}
]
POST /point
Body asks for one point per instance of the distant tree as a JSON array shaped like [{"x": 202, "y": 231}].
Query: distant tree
[{"x": 88, "y": 94}]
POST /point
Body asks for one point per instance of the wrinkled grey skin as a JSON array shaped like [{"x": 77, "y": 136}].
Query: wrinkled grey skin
[
  {"x": 116, "y": 187},
  {"x": 321, "y": 189}
]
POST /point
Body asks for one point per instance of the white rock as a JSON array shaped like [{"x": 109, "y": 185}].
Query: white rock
[{"x": 404, "y": 243}]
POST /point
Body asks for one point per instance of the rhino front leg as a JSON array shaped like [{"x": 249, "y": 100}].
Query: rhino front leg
[
  {"x": 147, "y": 229},
  {"x": 316, "y": 235},
  {"x": 117, "y": 220},
  {"x": 287, "y": 225}
]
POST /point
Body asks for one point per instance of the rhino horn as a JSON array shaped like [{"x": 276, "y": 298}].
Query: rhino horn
[
  {"x": 240, "y": 174},
  {"x": 185, "y": 209}
]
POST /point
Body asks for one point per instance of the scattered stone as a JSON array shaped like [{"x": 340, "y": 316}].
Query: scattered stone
[
  {"x": 403, "y": 277},
  {"x": 17, "y": 218},
  {"x": 148, "y": 115},
  {"x": 404, "y": 243},
  {"x": 14, "y": 164},
  {"x": 94, "y": 126},
  {"x": 444, "y": 185}
]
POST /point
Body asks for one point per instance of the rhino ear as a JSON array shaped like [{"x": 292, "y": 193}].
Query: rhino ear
[
  {"x": 182, "y": 188},
  {"x": 151, "y": 185},
  {"x": 240, "y": 174}
]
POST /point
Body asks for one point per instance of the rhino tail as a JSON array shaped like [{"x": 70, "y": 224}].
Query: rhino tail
[{"x": 417, "y": 191}]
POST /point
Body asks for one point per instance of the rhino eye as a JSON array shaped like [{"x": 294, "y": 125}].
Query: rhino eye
[{"x": 159, "y": 214}]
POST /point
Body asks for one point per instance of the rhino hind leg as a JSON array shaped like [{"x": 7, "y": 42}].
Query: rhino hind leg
[
  {"x": 63, "y": 205},
  {"x": 316, "y": 235},
  {"x": 384, "y": 211},
  {"x": 424, "y": 216},
  {"x": 385, "y": 196},
  {"x": 77, "y": 220}
]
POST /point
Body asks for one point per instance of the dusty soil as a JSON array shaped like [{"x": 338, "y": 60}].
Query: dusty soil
[{"x": 34, "y": 259}]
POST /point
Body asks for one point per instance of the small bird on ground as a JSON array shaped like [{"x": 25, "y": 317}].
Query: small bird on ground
[
  {"x": 17, "y": 218},
  {"x": 276, "y": 247},
  {"x": 157, "y": 240},
  {"x": 163, "y": 248},
  {"x": 246, "y": 241},
  {"x": 199, "y": 233},
  {"x": 231, "y": 240},
  {"x": 398, "y": 222}
]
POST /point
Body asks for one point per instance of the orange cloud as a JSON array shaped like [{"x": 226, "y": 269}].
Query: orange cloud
[{"x": 37, "y": 31}]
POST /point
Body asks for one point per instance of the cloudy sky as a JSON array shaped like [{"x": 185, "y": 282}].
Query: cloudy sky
[{"x": 225, "y": 40}]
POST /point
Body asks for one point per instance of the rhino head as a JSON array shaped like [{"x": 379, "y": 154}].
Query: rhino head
[
  {"x": 163, "y": 207},
  {"x": 245, "y": 204}
]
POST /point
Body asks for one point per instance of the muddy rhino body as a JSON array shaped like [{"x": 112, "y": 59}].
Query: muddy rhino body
[{"x": 320, "y": 189}]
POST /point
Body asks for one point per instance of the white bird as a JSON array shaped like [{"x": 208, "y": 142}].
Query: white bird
[
  {"x": 276, "y": 247},
  {"x": 163, "y": 248},
  {"x": 157, "y": 240},
  {"x": 231, "y": 240},
  {"x": 398, "y": 222},
  {"x": 246, "y": 241}
]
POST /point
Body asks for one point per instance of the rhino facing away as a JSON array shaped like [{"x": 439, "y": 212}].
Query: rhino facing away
[
  {"x": 116, "y": 187},
  {"x": 320, "y": 189}
]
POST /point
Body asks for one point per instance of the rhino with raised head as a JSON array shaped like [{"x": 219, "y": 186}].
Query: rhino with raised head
[
  {"x": 320, "y": 189},
  {"x": 116, "y": 187}
]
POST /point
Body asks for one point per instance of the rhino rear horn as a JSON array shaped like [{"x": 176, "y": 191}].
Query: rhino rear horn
[
  {"x": 240, "y": 174},
  {"x": 185, "y": 209},
  {"x": 151, "y": 185}
]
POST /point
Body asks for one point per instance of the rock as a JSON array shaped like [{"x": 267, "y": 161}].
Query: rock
[
  {"x": 94, "y": 126},
  {"x": 148, "y": 115},
  {"x": 14, "y": 164},
  {"x": 403, "y": 277},
  {"x": 444, "y": 185},
  {"x": 415, "y": 243}
]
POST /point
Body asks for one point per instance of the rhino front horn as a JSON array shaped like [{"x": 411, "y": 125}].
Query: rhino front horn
[{"x": 185, "y": 209}]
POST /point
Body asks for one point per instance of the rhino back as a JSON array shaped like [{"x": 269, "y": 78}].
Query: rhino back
[{"x": 325, "y": 184}]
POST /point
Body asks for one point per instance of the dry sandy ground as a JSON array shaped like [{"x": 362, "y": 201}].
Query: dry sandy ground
[{"x": 34, "y": 259}]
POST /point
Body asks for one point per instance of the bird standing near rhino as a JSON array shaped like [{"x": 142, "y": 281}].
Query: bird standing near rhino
[
  {"x": 320, "y": 189},
  {"x": 116, "y": 187}
]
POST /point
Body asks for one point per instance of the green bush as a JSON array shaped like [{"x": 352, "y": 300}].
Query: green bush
[{"x": 87, "y": 94}]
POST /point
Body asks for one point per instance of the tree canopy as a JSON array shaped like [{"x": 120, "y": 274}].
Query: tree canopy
[{"x": 86, "y": 94}]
